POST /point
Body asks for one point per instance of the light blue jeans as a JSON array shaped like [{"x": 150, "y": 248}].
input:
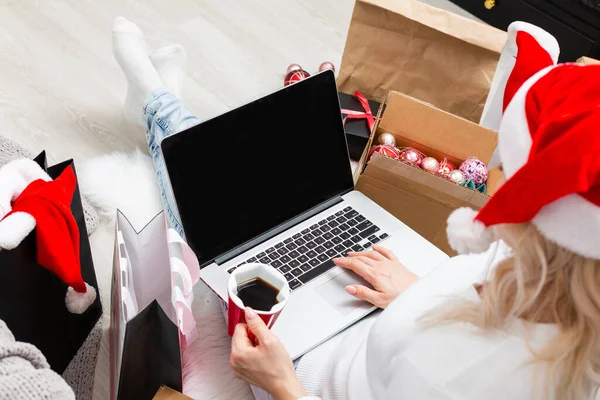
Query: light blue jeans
[{"x": 164, "y": 114}]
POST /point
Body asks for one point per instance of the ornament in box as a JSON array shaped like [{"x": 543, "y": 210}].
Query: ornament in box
[
  {"x": 446, "y": 167},
  {"x": 430, "y": 164},
  {"x": 387, "y": 139},
  {"x": 475, "y": 170},
  {"x": 411, "y": 156},
  {"x": 457, "y": 177},
  {"x": 388, "y": 151},
  {"x": 471, "y": 185}
]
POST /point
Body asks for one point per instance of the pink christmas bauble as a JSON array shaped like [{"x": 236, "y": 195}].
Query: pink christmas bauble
[
  {"x": 388, "y": 151},
  {"x": 445, "y": 167},
  {"x": 295, "y": 76},
  {"x": 326, "y": 65},
  {"x": 293, "y": 67},
  {"x": 475, "y": 170},
  {"x": 430, "y": 164},
  {"x": 411, "y": 156}
]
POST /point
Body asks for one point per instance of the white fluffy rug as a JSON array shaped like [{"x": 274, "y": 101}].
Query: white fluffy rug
[{"x": 127, "y": 181}]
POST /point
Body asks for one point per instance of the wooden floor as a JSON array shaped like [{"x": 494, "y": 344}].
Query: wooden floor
[{"x": 61, "y": 89}]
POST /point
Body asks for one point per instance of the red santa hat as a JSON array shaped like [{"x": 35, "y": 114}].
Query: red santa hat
[
  {"x": 30, "y": 199},
  {"x": 549, "y": 146}
]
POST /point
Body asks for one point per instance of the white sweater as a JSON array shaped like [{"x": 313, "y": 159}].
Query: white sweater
[{"x": 388, "y": 356}]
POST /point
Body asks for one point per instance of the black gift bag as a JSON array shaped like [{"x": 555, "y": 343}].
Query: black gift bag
[{"x": 32, "y": 299}]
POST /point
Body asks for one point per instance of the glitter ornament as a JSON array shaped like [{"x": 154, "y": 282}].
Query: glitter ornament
[
  {"x": 430, "y": 164},
  {"x": 293, "y": 67},
  {"x": 475, "y": 170},
  {"x": 387, "y": 138},
  {"x": 446, "y": 167},
  {"x": 457, "y": 177},
  {"x": 411, "y": 156},
  {"x": 326, "y": 65},
  {"x": 295, "y": 76},
  {"x": 388, "y": 151}
]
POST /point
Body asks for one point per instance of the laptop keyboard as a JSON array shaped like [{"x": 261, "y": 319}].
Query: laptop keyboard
[{"x": 308, "y": 254}]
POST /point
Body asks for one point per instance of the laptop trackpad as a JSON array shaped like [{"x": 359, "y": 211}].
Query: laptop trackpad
[{"x": 333, "y": 292}]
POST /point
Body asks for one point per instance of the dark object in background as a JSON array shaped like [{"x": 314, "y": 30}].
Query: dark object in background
[
  {"x": 574, "y": 23},
  {"x": 357, "y": 130},
  {"x": 32, "y": 299}
]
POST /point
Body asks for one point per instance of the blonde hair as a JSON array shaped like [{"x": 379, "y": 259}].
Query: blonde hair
[{"x": 543, "y": 282}]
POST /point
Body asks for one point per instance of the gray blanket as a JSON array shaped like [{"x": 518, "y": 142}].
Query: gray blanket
[{"x": 25, "y": 374}]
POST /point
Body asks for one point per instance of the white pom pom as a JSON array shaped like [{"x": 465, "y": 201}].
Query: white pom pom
[
  {"x": 15, "y": 228},
  {"x": 465, "y": 234},
  {"x": 77, "y": 302}
]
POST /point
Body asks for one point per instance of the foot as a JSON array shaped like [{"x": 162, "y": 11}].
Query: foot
[
  {"x": 170, "y": 62},
  {"x": 129, "y": 48}
]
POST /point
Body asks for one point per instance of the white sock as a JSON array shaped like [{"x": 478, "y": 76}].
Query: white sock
[
  {"x": 170, "y": 62},
  {"x": 129, "y": 48}
]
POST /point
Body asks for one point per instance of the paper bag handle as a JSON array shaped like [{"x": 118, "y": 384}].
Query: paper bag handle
[
  {"x": 185, "y": 318},
  {"x": 179, "y": 268},
  {"x": 189, "y": 257},
  {"x": 127, "y": 300}
]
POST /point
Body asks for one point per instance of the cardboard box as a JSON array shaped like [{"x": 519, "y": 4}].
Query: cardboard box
[
  {"x": 422, "y": 200},
  {"x": 166, "y": 393},
  {"x": 587, "y": 61}
]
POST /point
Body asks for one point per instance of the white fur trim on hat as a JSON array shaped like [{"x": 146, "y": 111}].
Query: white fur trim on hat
[
  {"x": 465, "y": 234},
  {"x": 571, "y": 222},
  {"x": 77, "y": 302},
  {"x": 514, "y": 138},
  {"x": 15, "y": 228},
  {"x": 14, "y": 178},
  {"x": 492, "y": 112}
]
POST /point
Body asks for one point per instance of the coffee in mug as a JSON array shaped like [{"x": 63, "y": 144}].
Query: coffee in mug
[
  {"x": 260, "y": 287},
  {"x": 258, "y": 294}
]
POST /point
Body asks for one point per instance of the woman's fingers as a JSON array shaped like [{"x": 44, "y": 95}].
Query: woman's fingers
[
  {"x": 385, "y": 252},
  {"x": 355, "y": 264},
  {"x": 371, "y": 254},
  {"x": 364, "y": 293},
  {"x": 240, "y": 338}
]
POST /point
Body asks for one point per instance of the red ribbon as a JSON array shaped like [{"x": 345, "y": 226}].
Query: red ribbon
[{"x": 367, "y": 114}]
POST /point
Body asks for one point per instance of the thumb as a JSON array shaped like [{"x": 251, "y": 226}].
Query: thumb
[
  {"x": 364, "y": 293},
  {"x": 256, "y": 325}
]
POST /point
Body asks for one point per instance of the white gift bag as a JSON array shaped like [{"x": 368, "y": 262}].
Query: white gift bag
[{"x": 154, "y": 272}]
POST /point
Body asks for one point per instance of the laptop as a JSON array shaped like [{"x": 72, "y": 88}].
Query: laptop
[{"x": 271, "y": 182}]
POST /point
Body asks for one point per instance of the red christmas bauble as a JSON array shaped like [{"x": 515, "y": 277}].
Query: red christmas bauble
[
  {"x": 446, "y": 167},
  {"x": 411, "y": 156},
  {"x": 386, "y": 150},
  {"x": 295, "y": 76},
  {"x": 326, "y": 65},
  {"x": 293, "y": 67}
]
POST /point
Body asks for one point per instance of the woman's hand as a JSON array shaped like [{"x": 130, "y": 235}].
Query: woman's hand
[
  {"x": 267, "y": 364},
  {"x": 381, "y": 269}
]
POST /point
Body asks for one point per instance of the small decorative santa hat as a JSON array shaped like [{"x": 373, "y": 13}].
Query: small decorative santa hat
[
  {"x": 549, "y": 145},
  {"x": 30, "y": 199}
]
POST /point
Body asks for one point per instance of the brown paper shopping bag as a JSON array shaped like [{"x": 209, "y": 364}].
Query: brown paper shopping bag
[{"x": 422, "y": 51}]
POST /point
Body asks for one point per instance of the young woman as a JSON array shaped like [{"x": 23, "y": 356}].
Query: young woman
[{"x": 531, "y": 330}]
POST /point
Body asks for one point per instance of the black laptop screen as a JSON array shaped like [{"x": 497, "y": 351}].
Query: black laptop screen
[{"x": 245, "y": 172}]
